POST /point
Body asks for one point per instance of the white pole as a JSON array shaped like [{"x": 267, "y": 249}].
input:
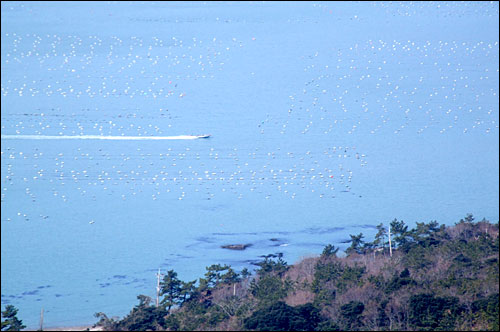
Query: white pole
[
  {"x": 158, "y": 289},
  {"x": 41, "y": 320},
  {"x": 390, "y": 246}
]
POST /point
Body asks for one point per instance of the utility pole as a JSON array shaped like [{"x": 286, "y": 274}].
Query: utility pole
[
  {"x": 158, "y": 276},
  {"x": 41, "y": 320},
  {"x": 390, "y": 246}
]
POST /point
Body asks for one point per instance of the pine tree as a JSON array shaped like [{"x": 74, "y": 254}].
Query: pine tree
[
  {"x": 380, "y": 236},
  {"x": 400, "y": 232},
  {"x": 11, "y": 322},
  {"x": 356, "y": 244},
  {"x": 171, "y": 288}
]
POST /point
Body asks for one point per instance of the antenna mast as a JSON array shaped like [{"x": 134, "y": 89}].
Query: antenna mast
[
  {"x": 41, "y": 320},
  {"x": 390, "y": 246},
  {"x": 158, "y": 275}
]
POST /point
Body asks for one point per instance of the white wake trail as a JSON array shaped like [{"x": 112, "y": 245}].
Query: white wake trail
[{"x": 64, "y": 137}]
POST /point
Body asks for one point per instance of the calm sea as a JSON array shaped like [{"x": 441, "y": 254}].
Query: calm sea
[{"x": 326, "y": 119}]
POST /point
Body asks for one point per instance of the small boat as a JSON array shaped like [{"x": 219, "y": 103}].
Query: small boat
[{"x": 203, "y": 136}]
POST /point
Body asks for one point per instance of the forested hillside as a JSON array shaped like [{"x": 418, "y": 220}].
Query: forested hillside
[{"x": 432, "y": 278}]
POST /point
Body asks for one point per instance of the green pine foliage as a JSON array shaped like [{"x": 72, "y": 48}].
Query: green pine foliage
[
  {"x": 269, "y": 289},
  {"x": 430, "y": 313},
  {"x": 438, "y": 278},
  {"x": 329, "y": 251},
  {"x": 10, "y": 322},
  {"x": 281, "y": 317}
]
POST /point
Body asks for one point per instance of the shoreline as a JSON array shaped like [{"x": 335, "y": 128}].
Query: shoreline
[{"x": 69, "y": 328}]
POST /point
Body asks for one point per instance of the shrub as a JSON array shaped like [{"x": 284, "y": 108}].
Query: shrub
[
  {"x": 351, "y": 313},
  {"x": 270, "y": 289},
  {"x": 427, "y": 312},
  {"x": 282, "y": 317}
]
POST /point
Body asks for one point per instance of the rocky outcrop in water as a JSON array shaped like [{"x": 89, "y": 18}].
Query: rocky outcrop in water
[{"x": 236, "y": 246}]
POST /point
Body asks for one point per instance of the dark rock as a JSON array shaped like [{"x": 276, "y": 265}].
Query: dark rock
[{"x": 236, "y": 246}]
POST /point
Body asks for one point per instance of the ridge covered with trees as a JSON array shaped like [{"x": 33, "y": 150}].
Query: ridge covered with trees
[{"x": 432, "y": 277}]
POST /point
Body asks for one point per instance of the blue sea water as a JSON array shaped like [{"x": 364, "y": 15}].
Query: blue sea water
[{"x": 326, "y": 119}]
